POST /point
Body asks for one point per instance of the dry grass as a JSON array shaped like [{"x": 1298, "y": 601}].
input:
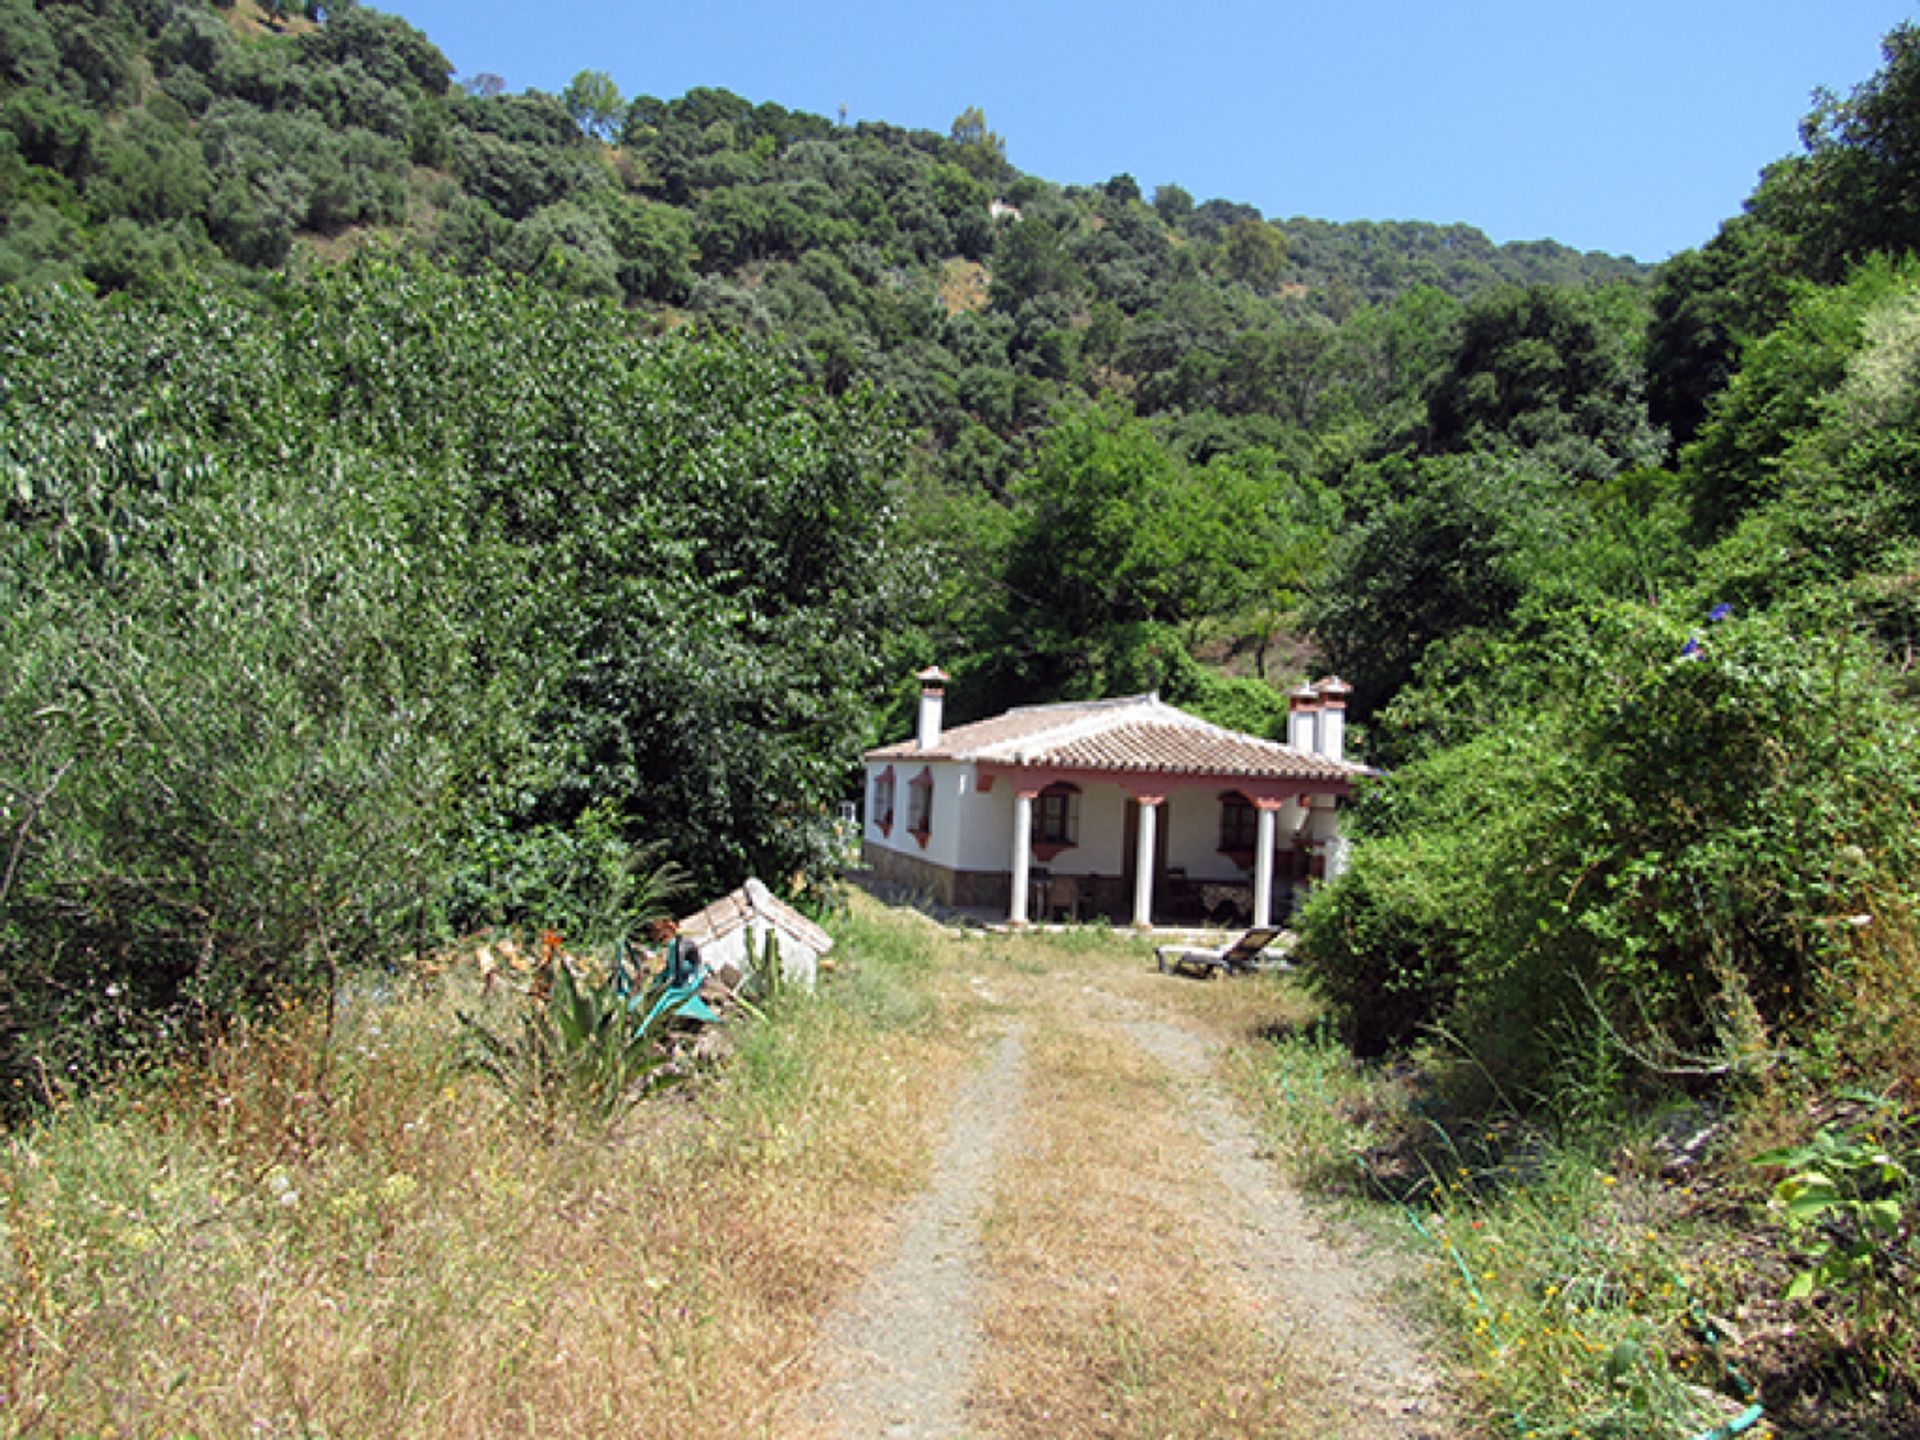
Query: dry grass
[
  {"x": 293, "y": 1240},
  {"x": 343, "y": 1234},
  {"x": 1115, "y": 1307},
  {"x": 963, "y": 286}
]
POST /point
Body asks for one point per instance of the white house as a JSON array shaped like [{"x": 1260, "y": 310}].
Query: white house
[{"x": 1126, "y": 808}]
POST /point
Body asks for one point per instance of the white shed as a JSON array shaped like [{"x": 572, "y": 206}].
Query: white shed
[{"x": 725, "y": 928}]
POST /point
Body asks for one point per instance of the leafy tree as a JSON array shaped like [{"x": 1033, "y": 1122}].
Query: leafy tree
[
  {"x": 129, "y": 256},
  {"x": 1856, "y": 192},
  {"x": 1031, "y": 260},
  {"x": 1112, "y": 530},
  {"x": 518, "y": 177},
  {"x": 981, "y": 150},
  {"x": 151, "y": 173},
  {"x": 594, "y": 101},
  {"x": 1452, "y": 548},
  {"x": 386, "y": 46},
  {"x": 483, "y": 569},
  {"x": 1545, "y": 370},
  {"x": 28, "y": 54},
  {"x": 49, "y": 130},
  {"x": 96, "y": 55},
  {"x": 42, "y": 247},
  {"x": 1778, "y": 395},
  {"x": 1254, "y": 253},
  {"x": 568, "y": 247},
  {"x": 1172, "y": 203}
]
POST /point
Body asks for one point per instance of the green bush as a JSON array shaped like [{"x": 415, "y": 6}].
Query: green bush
[
  {"x": 1664, "y": 852},
  {"x": 401, "y": 603}
]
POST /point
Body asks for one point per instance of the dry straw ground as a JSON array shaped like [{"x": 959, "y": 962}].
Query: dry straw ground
[{"x": 359, "y": 1239}]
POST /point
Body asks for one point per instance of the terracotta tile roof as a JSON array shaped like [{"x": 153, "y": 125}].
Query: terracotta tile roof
[
  {"x": 1138, "y": 734},
  {"x": 730, "y": 912}
]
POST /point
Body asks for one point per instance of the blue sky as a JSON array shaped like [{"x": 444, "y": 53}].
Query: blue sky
[{"x": 1633, "y": 127}]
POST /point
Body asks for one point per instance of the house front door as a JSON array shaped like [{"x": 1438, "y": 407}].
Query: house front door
[{"x": 1130, "y": 851}]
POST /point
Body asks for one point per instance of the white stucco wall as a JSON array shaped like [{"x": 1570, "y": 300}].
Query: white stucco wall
[
  {"x": 986, "y": 838},
  {"x": 950, "y": 819},
  {"x": 1194, "y": 840},
  {"x": 963, "y": 833},
  {"x": 973, "y": 831},
  {"x": 727, "y": 955},
  {"x": 1102, "y": 819}
]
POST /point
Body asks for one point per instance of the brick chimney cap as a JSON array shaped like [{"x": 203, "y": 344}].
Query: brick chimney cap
[
  {"x": 1305, "y": 698},
  {"x": 932, "y": 678},
  {"x": 1333, "y": 690}
]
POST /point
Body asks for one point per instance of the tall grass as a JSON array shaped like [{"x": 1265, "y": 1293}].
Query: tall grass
[
  {"x": 1599, "y": 1276},
  {"x": 340, "y": 1231}
]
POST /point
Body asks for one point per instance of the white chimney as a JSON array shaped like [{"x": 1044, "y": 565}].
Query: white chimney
[
  {"x": 1333, "y": 693},
  {"x": 933, "y": 699},
  {"x": 1303, "y": 719}
]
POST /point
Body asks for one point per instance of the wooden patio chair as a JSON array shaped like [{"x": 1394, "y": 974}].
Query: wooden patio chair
[
  {"x": 1242, "y": 955},
  {"x": 1063, "y": 898}
]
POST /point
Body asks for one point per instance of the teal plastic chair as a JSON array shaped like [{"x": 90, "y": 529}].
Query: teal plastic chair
[{"x": 674, "y": 992}]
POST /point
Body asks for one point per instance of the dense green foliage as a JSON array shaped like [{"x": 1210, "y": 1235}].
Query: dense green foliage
[
  {"x": 403, "y": 602},
  {"x": 1653, "y": 813}
]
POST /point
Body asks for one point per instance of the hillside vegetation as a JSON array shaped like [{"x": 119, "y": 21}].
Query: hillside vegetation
[{"x": 420, "y": 500}]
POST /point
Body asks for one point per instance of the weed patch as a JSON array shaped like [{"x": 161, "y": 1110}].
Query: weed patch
[
  {"x": 339, "y": 1230},
  {"x": 1588, "y": 1292}
]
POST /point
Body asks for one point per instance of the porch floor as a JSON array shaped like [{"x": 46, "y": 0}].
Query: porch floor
[{"x": 980, "y": 918}]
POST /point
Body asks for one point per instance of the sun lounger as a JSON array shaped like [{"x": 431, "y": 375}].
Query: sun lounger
[{"x": 1243, "y": 954}]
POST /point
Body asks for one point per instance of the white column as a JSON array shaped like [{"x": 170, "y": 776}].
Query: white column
[
  {"x": 1143, "y": 861},
  {"x": 1022, "y": 853},
  {"x": 1269, "y": 822}
]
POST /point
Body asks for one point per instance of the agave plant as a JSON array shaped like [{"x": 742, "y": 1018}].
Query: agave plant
[
  {"x": 581, "y": 1052},
  {"x": 765, "y": 986}
]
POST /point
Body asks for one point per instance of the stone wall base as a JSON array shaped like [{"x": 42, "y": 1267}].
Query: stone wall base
[{"x": 982, "y": 889}]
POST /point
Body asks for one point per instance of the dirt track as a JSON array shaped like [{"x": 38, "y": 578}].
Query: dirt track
[{"x": 1095, "y": 1089}]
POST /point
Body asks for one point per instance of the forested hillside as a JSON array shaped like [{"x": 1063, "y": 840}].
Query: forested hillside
[{"x": 140, "y": 140}]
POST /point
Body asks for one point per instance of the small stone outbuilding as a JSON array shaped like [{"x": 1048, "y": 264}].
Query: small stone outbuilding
[{"x": 750, "y": 914}]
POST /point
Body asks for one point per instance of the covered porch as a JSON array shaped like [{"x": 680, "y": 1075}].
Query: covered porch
[{"x": 1165, "y": 851}]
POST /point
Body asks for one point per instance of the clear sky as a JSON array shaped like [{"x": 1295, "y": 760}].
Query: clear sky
[{"x": 1633, "y": 127}]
